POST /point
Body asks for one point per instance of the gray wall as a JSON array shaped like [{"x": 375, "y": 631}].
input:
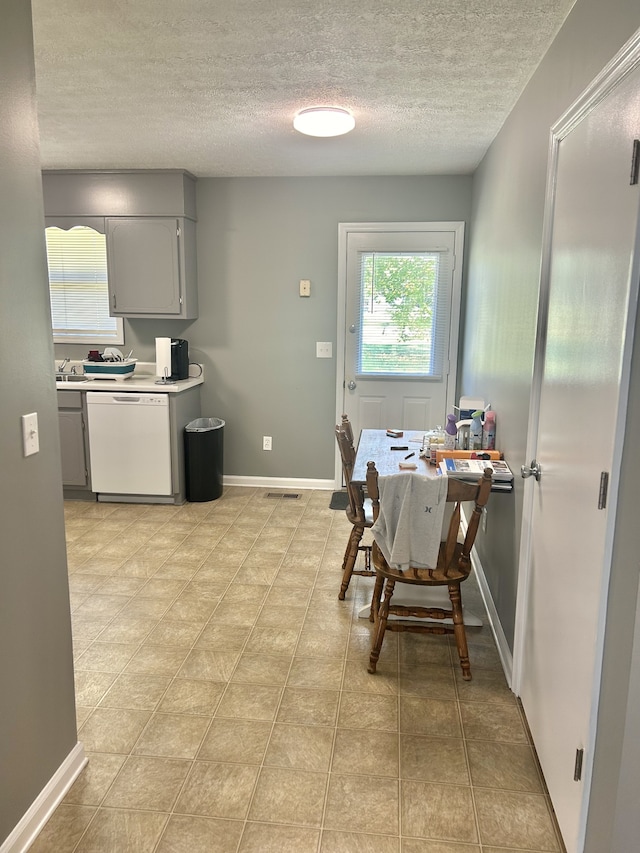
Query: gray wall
[
  {"x": 255, "y": 335},
  {"x": 37, "y": 711},
  {"x": 505, "y": 254}
]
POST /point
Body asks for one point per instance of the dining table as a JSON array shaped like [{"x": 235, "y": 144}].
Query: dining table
[{"x": 388, "y": 451}]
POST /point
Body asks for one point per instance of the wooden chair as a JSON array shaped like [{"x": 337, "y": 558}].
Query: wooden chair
[
  {"x": 452, "y": 568},
  {"x": 360, "y": 514},
  {"x": 345, "y": 426}
]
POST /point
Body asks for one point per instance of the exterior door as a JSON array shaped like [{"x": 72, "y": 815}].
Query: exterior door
[
  {"x": 583, "y": 379},
  {"x": 400, "y": 286}
]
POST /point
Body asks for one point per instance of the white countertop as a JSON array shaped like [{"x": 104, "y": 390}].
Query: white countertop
[{"x": 143, "y": 379}]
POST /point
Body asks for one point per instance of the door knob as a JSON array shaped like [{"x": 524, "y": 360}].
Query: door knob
[
  {"x": 533, "y": 470},
  {"x": 351, "y": 385}
]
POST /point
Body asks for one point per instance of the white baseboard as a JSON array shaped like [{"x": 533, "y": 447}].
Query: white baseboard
[
  {"x": 27, "y": 829},
  {"x": 506, "y": 656},
  {"x": 277, "y": 483}
]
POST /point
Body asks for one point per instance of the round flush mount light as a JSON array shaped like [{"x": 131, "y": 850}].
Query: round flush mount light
[{"x": 324, "y": 121}]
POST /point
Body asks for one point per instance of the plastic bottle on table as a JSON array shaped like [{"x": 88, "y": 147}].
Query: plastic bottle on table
[
  {"x": 450, "y": 433},
  {"x": 475, "y": 431},
  {"x": 489, "y": 431}
]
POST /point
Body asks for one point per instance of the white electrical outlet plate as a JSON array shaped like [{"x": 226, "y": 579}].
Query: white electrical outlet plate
[
  {"x": 324, "y": 349},
  {"x": 305, "y": 287},
  {"x": 267, "y": 442},
  {"x": 30, "y": 439}
]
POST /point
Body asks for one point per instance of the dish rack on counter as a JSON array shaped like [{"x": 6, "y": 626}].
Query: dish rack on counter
[{"x": 109, "y": 369}]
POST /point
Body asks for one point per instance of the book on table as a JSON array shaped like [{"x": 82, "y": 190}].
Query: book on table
[{"x": 472, "y": 469}]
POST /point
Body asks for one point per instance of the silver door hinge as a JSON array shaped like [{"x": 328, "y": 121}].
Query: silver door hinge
[
  {"x": 178, "y": 231},
  {"x": 635, "y": 162},
  {"x": 577, "y": 770},
  {"x": 604, "y": 488}
]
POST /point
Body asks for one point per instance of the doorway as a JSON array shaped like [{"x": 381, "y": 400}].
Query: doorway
[{"x": 399, "y": 290}]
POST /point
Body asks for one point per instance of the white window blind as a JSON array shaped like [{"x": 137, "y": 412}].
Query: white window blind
[
  {"x": 77, "y": 260},
  {"x": 405, "y": 303}
]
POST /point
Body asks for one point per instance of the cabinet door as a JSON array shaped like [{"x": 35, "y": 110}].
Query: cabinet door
[
  {"x": 144, "y": 267},
  {"x": 72, "y": 448}
]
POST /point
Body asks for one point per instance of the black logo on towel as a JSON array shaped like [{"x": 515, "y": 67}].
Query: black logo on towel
[{"x": 428, "y": 509}]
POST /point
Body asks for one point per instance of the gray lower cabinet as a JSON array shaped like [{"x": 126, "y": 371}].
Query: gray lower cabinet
[
  {"x": 74, "y": 448},
  {"x": 152, "y": 267}
]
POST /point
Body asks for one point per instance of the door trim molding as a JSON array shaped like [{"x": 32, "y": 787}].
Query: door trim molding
[
  {"x": 344, "y": 229},
  {"x": 626, "y": 61}
]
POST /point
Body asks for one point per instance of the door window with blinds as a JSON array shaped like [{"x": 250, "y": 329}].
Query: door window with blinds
[
  {"x": 78, "y": 287},
  {"x": 404, "y": 303}
]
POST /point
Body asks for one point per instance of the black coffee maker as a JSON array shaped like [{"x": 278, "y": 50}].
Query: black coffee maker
[{"x": 179, "y": 359}]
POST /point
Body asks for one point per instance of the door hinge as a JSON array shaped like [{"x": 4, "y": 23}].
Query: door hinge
[
  {"x": 604, "y": 488},
  {"x": 635, "y": 162},
  {"x": 114, "y": 302},
  {"x": 577, "y": 770}
]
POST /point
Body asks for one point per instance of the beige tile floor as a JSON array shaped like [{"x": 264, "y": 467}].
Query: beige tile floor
[{"x": 225, "y": 707}]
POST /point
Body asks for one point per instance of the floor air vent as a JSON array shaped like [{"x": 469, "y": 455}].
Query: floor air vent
[{"x": 290, "y": 495}]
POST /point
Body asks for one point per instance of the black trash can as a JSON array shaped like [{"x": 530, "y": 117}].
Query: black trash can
[{"x": 203, "y": 447}]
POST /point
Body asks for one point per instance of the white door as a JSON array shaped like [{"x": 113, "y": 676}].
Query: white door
[
  {"x": 583, "y": 358},
  {"x": 398, "y": 327}
]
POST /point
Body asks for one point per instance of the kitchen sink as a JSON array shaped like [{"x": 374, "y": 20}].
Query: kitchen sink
[{"x": 70, "y": 377}]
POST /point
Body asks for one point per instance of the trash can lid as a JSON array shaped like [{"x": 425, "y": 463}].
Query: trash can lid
[{"x": 204, "y": 424}]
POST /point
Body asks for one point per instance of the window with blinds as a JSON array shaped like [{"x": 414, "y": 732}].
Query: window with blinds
[
  {"x": 77, "y": 260},
  {"x": 405, "y": 300}
]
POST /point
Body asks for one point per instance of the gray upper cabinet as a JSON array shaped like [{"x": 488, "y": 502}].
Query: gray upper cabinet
[
  {"x": 151, "y": 265},
  {"x": 150, "y": 222}
]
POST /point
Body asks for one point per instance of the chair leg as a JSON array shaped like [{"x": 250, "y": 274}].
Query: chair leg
[
  {"x": 350, "y": 556},
  {"x": 459, "y": 630},
  {"x": 375, "y": 598},
  {"x": 380, "y": 629}
]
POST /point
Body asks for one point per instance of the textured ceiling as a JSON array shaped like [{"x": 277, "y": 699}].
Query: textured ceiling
[{"x": 212, "y": 85}]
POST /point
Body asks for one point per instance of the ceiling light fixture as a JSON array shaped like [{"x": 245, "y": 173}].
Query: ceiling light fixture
[{"x": 324, "y": 121}]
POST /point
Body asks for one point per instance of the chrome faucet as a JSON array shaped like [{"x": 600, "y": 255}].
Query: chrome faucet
[{"x": 63, "y": 365}]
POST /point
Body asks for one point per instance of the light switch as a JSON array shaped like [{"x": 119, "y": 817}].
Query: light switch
[
  {"x": 30, "y": 439},
  {"x": 305, "y": 287},
  {"x": 324, "y": 349}
]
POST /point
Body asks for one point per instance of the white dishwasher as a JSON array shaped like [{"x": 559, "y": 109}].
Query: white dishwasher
[{"x": 129, "y": 443}]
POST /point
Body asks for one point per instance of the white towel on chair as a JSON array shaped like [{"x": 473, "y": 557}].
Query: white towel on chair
[{"x": 409, "y": 527}]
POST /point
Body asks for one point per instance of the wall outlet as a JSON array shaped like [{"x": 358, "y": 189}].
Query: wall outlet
[
  {"x": 267, "y": 442},
  {"x": 305, "y": 287}
]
